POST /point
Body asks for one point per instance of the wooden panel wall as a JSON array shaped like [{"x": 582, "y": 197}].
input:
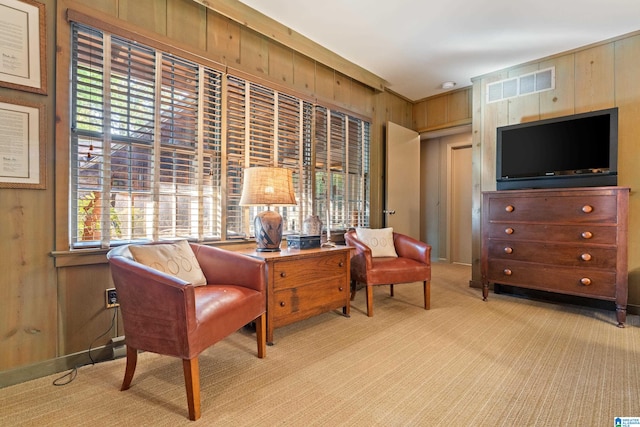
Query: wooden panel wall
[
  {"x": 28, "y": 304},
  {"x": 599, "y": 76},
  {"x": 443, "y": 111}
]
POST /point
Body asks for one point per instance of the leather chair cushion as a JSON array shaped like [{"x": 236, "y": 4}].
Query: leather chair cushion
[
  {"x": 220, "y": 309},
  {"x": 176, "y": 259},
  {"x": 379, "y": 240},
  {"x": 398, "y": 270}
]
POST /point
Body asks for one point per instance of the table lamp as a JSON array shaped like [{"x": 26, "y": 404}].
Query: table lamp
[{"x": 267, "y": 186}]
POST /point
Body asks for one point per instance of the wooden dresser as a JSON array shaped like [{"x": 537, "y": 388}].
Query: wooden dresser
[
  {"x": 570, "y": 241},
  {"x": 305, "y": 282}
]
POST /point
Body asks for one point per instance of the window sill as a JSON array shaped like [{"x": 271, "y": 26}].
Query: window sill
[{"x": 93, "y": 256}]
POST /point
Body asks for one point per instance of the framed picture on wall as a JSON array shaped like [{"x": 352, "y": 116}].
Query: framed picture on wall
[
  {"x": 22, "y": 46},
  {"x": 22, "y": 147}
]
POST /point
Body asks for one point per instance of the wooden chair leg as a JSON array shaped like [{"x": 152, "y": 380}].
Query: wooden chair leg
[
  {"x": 354, "y": 285},
  {"x": 192, "y": 384},
  {"x": 391, "y": 289},
  {"x": 369, "y": 301},
  {"x": 427, "y": 294},
  {"x": 261, "y": 335},
  {"x": 132, "y": 360}
]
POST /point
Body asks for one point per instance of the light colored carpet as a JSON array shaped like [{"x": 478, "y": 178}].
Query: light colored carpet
[{"x": 505, "y": 362}]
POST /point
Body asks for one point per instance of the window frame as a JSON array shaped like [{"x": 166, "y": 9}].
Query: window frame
[{"x": 306, "y": 180}]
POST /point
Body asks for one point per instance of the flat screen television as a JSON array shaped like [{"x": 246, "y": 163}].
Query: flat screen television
[{"x": 580, "y": 150}]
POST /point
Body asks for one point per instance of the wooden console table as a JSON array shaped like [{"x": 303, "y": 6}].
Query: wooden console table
[{"x": 304, "y": 282}]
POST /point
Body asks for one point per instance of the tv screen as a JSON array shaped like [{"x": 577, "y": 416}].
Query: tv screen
[{"x": 571, "y": 151}]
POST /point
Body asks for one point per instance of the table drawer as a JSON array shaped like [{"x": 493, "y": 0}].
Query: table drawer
[
  {"x": 293, "y": 304},
  {"x": 583, "y": 256},
  {"x": 538, "y": 208},
  {"x": 600, "y": 283},
  {"x": 588, "y": 233},
  {"x": 291, "y": 274}
]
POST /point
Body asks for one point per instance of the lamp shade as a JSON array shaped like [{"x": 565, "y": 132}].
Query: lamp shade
[{"x": 267, "y": 186}]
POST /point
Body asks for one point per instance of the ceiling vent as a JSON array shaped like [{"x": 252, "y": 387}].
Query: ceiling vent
[{"x": 526, "y": 84}]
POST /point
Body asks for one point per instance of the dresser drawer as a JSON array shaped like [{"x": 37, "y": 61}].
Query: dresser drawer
[
  {"x": 554, "y": 209},
  {"x": 583, "y": 256},
  {"x": 290, "y": 274},
  {"x": 600, "y": 283},
  {"x": 293, "y": 304},
  {"x": 587, "y": 234}
]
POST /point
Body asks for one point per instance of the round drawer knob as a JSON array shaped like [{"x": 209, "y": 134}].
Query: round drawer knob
[
  {"x": 282, "y": 304},
  {"x": 341, "y": 264},
  {"x": 587, "y": 209},
  {"x": 508, "y": 230},
  {"x": 508, "y": 250},
  {"x": 585, "y": 257},
  {"x": 586, "y": 234},
  {"x": 340, "y": 288},
  {"x": 283, "y": 274},
  {"x": 507, "y": 272},
  {"x": 509, "y": 208},
  {"x": 585, "y": 281}
]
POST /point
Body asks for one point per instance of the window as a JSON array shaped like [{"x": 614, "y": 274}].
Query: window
[{"x": 150, "y": 159}]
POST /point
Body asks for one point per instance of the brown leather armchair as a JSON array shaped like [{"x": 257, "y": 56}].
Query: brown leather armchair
[
  {"x": 167, "y": 315},
  {"x": 413, "y": 264}
]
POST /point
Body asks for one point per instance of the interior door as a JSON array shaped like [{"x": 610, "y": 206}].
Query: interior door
[
  {"x": 402, "y": 180},
  {"x": 460, "y": 204}
]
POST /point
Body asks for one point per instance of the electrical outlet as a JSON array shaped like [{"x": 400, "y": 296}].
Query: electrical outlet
[{"x": 111, "y": 298}]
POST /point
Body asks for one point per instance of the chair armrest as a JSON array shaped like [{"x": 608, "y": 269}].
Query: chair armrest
[
  {"x": 363, "y": 252},
  {"x": 408, "y": 247},
  {"x": 157, "y": 299},
  {"x": 230, "y": 268}
]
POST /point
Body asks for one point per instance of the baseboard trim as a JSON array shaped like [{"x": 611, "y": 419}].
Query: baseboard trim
[{"x": 59, "y": 364}]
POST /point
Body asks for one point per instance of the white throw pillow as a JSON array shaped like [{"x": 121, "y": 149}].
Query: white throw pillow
[
  {"x": 176, "y": 259},
  {"x": 380, "y": 240}
]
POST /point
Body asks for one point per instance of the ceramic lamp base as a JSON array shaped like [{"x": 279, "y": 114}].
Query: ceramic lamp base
[{"x": 268, "y": 229}]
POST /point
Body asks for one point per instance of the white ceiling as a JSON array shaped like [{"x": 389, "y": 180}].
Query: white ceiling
[{"x": 416, "y": 45}]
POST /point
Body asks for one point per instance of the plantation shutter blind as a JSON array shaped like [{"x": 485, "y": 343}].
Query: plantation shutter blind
[
  {"x": 143, "y": 168},
  {"x": 337, "y": 168},
  {"x": 159, "y": 144}
]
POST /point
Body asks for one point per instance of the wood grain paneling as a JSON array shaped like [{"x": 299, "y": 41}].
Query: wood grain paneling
[
  {"x": 254, "y": 53},
  {"x": 437, "y": 111},
  {"x": 342, "y": 89},
  {"x": 83, "y": 317},
  {"x": 28, "y": 308},
  {"x": 324, "y": 83},
  {"x": 223, "y": 39},
  {"x": 28, "y": 327},
  {"x": 148, "y": 14},
  {"x": 477, "y": 167},
  {"x": 443, "y": 111},
  {"x": 559, "y": 101},
  {"x": 187, "y": 23},
  {"x": 110, "y": 7},
  {"x": 594, "y": 80},
  {"x": 362, "y": 98},
  {"x": 459, "y": 106},
  {"x": 627, "y": 95},
  {"x": 304, "y": 72},
  {"x": 280, "y": 64}
]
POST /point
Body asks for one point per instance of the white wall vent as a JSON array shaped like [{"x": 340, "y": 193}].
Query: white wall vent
[{"x": 538, "y": 81}]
